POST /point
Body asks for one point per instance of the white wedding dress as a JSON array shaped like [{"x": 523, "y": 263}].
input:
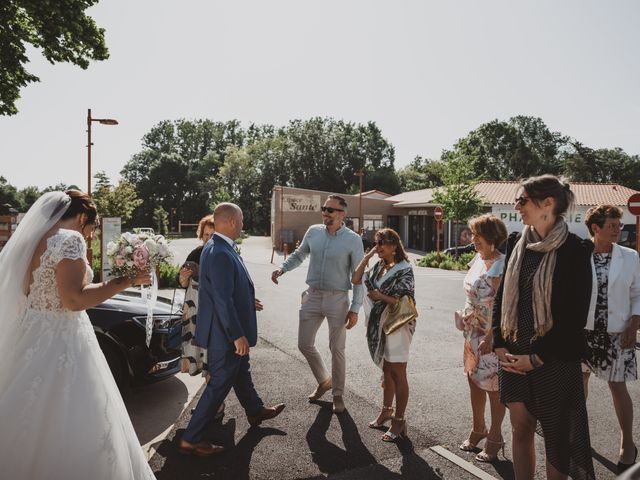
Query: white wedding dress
[{"x": 61, "y": 414}]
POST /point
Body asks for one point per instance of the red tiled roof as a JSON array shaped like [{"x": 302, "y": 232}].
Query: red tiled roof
[{"x": 504, "y": 193}]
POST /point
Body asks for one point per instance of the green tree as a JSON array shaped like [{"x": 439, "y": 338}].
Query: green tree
[
  {"x": 584, "y": 164},
  {"x": 421, "y": 173},
  {"x": 28, "y": 196},
  {"x": 161, "y": 220},
  {"x": 518, "y": 148},
  {"x": 458, "y": 198},
  {"x": 9, "y": 194},
  {"x": 59, "y": 28},
  {"x": 119, "y": 201},
  {"x": 176, "y": 165}
]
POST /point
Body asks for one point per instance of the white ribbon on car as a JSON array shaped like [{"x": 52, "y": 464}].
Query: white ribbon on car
[{"x": 150, "y": 296}]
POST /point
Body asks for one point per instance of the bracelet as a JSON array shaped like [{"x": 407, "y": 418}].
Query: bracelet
[{"x": 534, "y": 360}]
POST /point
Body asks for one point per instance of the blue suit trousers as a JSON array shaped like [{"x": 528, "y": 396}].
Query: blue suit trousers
[{"x": 227, "y": 371}]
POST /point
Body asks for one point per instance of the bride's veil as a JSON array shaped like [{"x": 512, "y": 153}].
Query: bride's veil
[{"x": 15, "y": 259}]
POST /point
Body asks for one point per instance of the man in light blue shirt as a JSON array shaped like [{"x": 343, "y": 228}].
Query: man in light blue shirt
[{"x": 335, "y": 252}]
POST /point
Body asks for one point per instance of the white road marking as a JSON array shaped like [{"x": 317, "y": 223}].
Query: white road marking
[{"x": 462, "y": 463}]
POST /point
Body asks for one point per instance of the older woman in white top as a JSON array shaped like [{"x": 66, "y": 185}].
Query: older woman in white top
[{"x": 614, "y": 319}]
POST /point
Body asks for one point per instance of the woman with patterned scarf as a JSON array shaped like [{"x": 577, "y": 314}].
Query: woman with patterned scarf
[
  {"x": 390, "y": 279},
  {"x": 539, "y": 315}
]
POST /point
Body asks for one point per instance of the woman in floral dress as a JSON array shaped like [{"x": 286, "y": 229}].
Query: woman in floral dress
[
  {"x": 480, "y": 363},
  {"x": 614, "y": 319}
]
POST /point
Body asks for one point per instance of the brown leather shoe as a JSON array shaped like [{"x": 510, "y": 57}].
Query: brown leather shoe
[
  {"x": 265, "y": 414},
  {"x": 200, "y": 449},
  {"x": 320, "y": 390}
]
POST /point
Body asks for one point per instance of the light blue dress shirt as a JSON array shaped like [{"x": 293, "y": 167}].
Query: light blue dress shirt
[{"x": 333, "y": 260}]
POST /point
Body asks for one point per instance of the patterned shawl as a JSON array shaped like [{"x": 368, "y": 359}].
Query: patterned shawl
[
  {"x": 542, "y": 280},
  {"x": 397, "y": 284}
]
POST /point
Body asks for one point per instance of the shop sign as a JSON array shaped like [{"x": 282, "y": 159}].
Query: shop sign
[{"x": 301, "y": 203}]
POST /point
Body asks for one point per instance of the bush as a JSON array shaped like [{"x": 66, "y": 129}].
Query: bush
[
  {"x": 168, "y": 276},
  {"x": 446, "y": 261}
]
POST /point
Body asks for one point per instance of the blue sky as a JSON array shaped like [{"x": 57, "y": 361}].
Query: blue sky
[{"x": 427, "y": 72}]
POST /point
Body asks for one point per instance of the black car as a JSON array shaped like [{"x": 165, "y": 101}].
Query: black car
[
  {"x": 628, "y": 236},
  {"x": 119, "y": 324}
]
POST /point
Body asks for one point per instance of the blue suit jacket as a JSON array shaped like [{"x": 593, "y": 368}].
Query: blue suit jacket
[{"x": 226, "y": 298}]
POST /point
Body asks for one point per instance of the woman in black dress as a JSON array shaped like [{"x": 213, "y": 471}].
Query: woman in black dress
[{"x": 540, "y": 312}]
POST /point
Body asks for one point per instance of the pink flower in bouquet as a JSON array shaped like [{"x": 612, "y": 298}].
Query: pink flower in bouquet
[
  {"x": 120, "y": 261},
  {"x": 141, "y": 257}
]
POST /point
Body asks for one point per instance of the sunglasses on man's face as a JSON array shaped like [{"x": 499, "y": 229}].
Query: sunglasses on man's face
[
  {"x": 522, "y": 200},
  {"x": 331, "y": 209}
]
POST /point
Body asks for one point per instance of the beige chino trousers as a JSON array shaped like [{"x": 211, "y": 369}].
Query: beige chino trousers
[{"x": 316, "y": 305}]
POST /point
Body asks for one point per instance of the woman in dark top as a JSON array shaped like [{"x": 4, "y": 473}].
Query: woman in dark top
[
  {"x": 539, "y": 315},
  {"x": 193, "y": 357}
]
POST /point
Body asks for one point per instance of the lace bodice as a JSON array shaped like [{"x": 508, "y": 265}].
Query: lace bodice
[{"x": 43, "y": 293}]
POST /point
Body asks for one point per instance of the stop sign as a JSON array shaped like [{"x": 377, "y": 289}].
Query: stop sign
[
  {"x": 437, "y": 213},
  {"x": 634, "y": 204}
]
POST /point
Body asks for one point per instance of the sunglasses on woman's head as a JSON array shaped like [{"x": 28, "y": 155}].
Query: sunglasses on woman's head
[
  {"x": 331, "y": 209},
  {"x": 522, "y": 200},
  {"x": 381, "y": 242}
]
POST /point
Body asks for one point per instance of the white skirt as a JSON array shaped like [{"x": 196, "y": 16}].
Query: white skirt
[{"x": 396, "y": 346}]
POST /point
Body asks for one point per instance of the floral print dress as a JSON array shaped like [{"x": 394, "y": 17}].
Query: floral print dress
[
  {"x": 606, "y": 358},
  {"x": 475, "y": 319}
]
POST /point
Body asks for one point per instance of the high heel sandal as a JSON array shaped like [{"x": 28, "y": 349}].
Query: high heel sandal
[
  {"x": 625, "y": 466},
  {"x": 393, "y": 437},
  {"x": 471, "y": 443},
  {"x": 490, "y": 452},
  {"x": 377, "y": 423}
]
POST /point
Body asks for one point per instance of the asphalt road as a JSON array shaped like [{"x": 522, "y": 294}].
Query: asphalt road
[{"x": 308, "y": 442}]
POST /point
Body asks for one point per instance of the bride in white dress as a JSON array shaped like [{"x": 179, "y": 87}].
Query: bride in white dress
[{"x": 61, "y": 414}]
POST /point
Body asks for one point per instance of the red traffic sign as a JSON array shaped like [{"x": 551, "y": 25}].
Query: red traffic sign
[
  {"x": 437, "y": 213},
  {"x": 634, "y": 204}
]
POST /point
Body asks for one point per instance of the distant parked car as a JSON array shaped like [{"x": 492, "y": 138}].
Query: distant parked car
[
  {"x": 456, "y": 251},
  {"x": 147, "y": 230},
  {"x": 628, "y": 236},
  {"x": 119, "y": 324}
]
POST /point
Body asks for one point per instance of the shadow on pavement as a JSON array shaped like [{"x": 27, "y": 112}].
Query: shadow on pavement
[
  {"x": 356, "y": 457},
  {"x": 153, "y": 408},
  {"x": 234, "y": 463}
]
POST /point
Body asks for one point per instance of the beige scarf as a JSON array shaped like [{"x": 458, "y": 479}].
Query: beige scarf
[{"x": 542, "y": 280}]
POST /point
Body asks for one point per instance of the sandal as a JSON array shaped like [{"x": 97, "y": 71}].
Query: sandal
[
  {"x": 490, "y": 452},
  {"x": 394, "y": 437},
  {"x": 382, "y": 418},
  {"x": 471, "y": 443}
]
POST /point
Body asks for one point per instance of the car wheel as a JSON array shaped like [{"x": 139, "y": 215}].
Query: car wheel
[{"x": 117, "y": 366}]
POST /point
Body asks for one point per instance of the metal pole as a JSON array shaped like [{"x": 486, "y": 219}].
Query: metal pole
[
  {"x": 360, "y": 227},
  {"x": 638, "y": 233},
  {"x": 89, "y": 152},
  {"x": 281, "y": 217}
]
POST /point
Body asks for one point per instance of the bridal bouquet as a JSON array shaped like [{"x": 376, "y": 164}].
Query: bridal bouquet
[{"x": 135, "y": 252}]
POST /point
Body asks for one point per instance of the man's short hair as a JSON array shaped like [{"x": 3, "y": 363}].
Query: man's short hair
[
  {"x": 226, "y": 211},
  {"x": 341, "y": 200}
]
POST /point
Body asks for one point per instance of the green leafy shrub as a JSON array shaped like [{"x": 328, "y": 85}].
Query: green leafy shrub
[
  {"x": 446, "y": 262},
  {"x": 168, "y": 275}
]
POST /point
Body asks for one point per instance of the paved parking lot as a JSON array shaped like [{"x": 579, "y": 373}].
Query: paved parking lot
[{"x": 304, "y": 441}]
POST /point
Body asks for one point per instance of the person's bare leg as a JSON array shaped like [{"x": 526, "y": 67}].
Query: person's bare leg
[
  {"x": 478, "y": 403},
  {"x": 399, "y": 375},
  {"x": 553, "y": 473},
  {"x": 624, "y": 411},
  {"x": 523, "y": 427}
]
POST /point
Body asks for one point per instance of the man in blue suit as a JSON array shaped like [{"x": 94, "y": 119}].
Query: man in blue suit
[{"x": 227, "y": 327}]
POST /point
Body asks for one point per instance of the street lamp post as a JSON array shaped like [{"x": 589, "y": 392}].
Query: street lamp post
[
  {"x": 90, "y": 120},
  {"x": 103, "y": 121},
  {"x": 360, "y": 173}
]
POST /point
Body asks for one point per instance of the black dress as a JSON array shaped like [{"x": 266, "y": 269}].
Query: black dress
[{"x": 553, "y": 394}]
